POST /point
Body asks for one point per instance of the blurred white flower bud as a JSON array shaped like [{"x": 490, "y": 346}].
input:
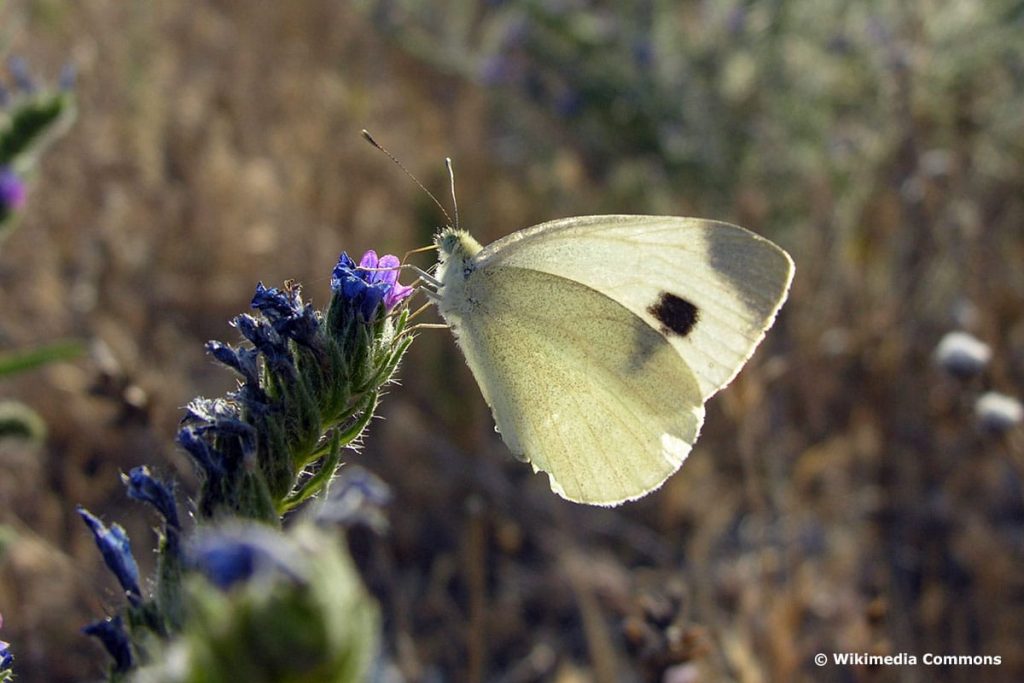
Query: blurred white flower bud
[
  {"x": 998, "y": 412},
  {"x": 962, "y": 355}
]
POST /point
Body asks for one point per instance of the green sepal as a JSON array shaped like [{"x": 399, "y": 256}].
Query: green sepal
[
  {"x": 33, "y": 122},
  {"x": 318, "y": 481},
  {"x": 18, "y": 421}
]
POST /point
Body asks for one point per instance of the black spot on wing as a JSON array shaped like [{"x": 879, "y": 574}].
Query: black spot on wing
[{"x": 676, "y": 315}]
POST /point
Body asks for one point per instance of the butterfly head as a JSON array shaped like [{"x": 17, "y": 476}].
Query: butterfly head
[
  {"x": 456, "y": 251},
  {"x": 455, "y": 243}
]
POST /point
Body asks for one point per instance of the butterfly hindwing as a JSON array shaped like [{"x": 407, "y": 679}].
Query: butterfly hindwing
[{"x": 579, "y": 385}]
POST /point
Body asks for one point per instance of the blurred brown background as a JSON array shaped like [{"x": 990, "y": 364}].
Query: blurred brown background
[{"x": 842, "y": 496}]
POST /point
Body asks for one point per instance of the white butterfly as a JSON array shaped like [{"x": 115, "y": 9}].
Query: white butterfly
[{"x": 596, "y": 340}]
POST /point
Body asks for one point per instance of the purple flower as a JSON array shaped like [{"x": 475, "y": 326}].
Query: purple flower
[
  {"x": 372, "y": 282},
  {"x": 12, "y": 190},
  {"x": 68, "y": 76},
  {"x": 495, "y": 70},
  {"x": 117, "y": 553},
  {"x": 385, "y": 270},
  {"x": 18, "y": 68},
  {"x": 357, "y": 496}
]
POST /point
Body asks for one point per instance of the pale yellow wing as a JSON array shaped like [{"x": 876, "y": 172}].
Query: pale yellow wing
[
  {"x": 711, "y": 288},
  {"x": 579, "y": 386}
]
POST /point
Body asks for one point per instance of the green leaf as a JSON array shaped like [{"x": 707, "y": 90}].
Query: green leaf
[{"x": 20, "y": 361}]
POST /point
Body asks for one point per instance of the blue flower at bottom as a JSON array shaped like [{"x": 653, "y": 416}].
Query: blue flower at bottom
[{"x": 112, "y": 634}]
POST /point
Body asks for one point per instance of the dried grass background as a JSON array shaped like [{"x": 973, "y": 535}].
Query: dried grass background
[{"x": 841, "y": 497}]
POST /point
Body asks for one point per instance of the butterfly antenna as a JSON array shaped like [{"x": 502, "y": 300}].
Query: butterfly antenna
[
  {"x": 451, "y": 178},
  {"x": 369, "y": 138}
]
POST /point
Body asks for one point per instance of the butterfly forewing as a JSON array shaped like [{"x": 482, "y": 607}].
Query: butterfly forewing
[{"x": 711, "y": 288}]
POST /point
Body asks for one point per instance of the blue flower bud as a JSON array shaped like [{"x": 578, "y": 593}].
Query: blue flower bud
[
  {"x": 208, "y": 459},
  {"x": 274, "y": 303},
  {"x": 117, "y": 554},
  {"x": 143, "y": 487},
  {"x": 222, "y": 418},
  {"x": 286, "y": 312},
  {"x": 112, "y": 634},
  {"x": 240, "y": 359},
  {"x": 267, "y": 341}
]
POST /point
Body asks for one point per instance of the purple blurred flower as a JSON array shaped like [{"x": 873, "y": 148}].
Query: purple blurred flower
[
  {"x": 357, "y": 496},
  {"x": 6, "y": 658},
  {"x": 18, "y": 68},
  {"x": 12, "y": 190},
  {"x": 235, "y": 554},
  {"x": 643, "y": 53},
  {"x": 495, "y": 71},
  {"x": 68, "y": 76}
]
